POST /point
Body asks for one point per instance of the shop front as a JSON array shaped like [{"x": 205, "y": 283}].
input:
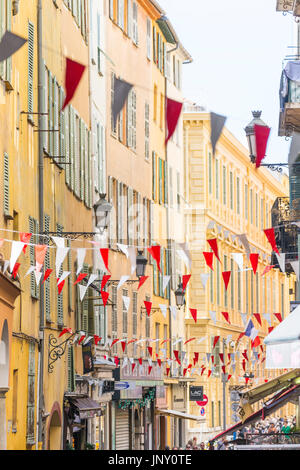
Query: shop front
[
  {"x": 179, "y": 403},
  {"x": 134, "y": 408}
]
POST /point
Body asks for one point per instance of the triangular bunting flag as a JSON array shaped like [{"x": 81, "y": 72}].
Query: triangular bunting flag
[
  {"x": 185, "y": 280},
  {"x": 185, "y": 255},
  {"x": 126, "y": 302},
  {"x": 214, "y": 246},
  {"x": 239, "y": 259},
  {"x": 204, "y": 278},
  {"x": 121, "y": 91},
  {"x": 104, "y": 254},
  {"x": 278, "y": 316},
  {"x": 80, "y": 259},
  {"x": 10, "y": 43},
  {"x": 173, "y": 111},
  {"x": 258, "y": 318},
  {"x": 104, "y": 281},
  {"x": 244, "y": 240},
  {"x": 25, "y": 238},
  {"x": 261, "y": 140},
  {"x": 295, "y": 266},
  {"x": 173, "y": 310},
  {"x": 123, "y": 248},
  {"x": 148, "y": 306},
  {"x": 155, "y": 253},
  {"x": 122, "y": 281},
  {"x": 268, "y": 269},
  {"x": 194, "y": 314},
  {"x": 165, "y": 282},
  {"x": 217, "y": 122},
  {"x": 61, "y": 253},
  {"x": 47, "y": 274},
  {"x": 226, "y": 316},
  {"x": 270, "y": 234},
  {"x": 213, "y": 316},
  {"x": 74, "y": 72},
  {"x": 226, "y": 276},
  {"x": 209, "y": 256},
  {"x": 216, "y": 339},
  {"x": 16, "y": 249},
  {"x": 15, "y": 270},
  {"x": 163, "y": 309},
  {"x": 281, "y": 261},
  {"x": 80, "y": 277},
  {"x": 142, "y": 280},
  {"x": 254, "y": 261}
]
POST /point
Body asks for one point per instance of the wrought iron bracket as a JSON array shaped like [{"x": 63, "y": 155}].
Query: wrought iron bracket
[
  {"x": 56, "y": 351},
  {"x": 152, "y": 311}
]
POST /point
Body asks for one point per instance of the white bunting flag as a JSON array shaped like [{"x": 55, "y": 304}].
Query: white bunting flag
[
  {"x": 80, "y": 259},
  {"x": 173, "y": 310},
  {"x": 75, "y": 339},
  {"x": 183, "y": 353},
  {"x": 122, "y": 281},
  {"x": 254, "y": 333},
  {"x": 6, "y": 264},
  {"x": 165, "y": 282},
  {"x": 92, "y": 278},
  {"x": 239, "y": 259},
  {"x": 87, "y": 340},
  {"x": 163, "y": 309},
  {"x": 177, "y": 341},
  {"x": 30, "y": 270},
  {"x": 64, "y": 276},
  {"x": 233, "y": 366},
  {"x": 243, "y": 238},
  {"x": 185, "y": 255},
  {"x": 38, "y": 276},
  {"x": 59, "y": 241},
  {"x": 123, "y": 248},
  {"x": 244, "y": 318},
  {"x": 150, "y": 361},
  {"x": 226, "y": 233},
  {"x": 295, "y": 266},
  {"x": 132, "y": 257},
  {"x": 126, "y": 301},
  {"x": 82, "y": 291},
  {"x": 219, "y": 228},
  {"x": 124, "y": 362},
  {"x": 267, "y": 316},
  {"x": 204, "y": 278},
  {"x": 281, "y": 261},
  {"x": 228, "y": 339},
  {"x": 211, "y": 224},
  {"x": 61, "y": 253},
  {"x": 16, "y": 248},
  {"x": 213, "y": 316},
  {"x": 208, "y": 357},
  {"x": 201, "y": 339}
]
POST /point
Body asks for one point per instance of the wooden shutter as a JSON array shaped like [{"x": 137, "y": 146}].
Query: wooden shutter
[
  {"x": 71, "y": 147},
  {"x": 154, "y": 170},
  {"x": 60, "y": 304},
  {"x": 134, "y": 315},
  {"x": 2, "y": 31},
  {"x": 129, "y": 18},
  {"x": 67, "y": 147},
  {"x": 50, "y": 113},
  {"x": 6, "y": 206},
  {"x": 47, "y": 266},
  {"x": 87, "y": 178},
  {"x": 77, "y": 155},
  {"x": 70, "y": 278},
  {"x": 129, "y": 120},
  {"x": 82, "y": 155},
  {"x": 148, "y": 38},
  {"x": 55, "y": 120},
  {"x": 135, "y": 36},
  {"x": 130, "y": 216},
  {"x": 62, "y": 127},
  {"x": 30, "y": 66},
  {"x": 133, "y": 120},
  {"x": 165, "y": 182},
  {"x": 85, "y": 307},
  {"x": 147, "y": 131},
  {"x": 124, "y": 313},
  {"x": 31, "y": 395},
  {"x": 31, "y": 252},
  {"x": 71, "y": 369},
  {"x": 154, "y": 45},
  {"x": 160, "y": 185}
]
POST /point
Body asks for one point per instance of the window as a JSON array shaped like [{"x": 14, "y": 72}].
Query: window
[
  {"x": 147, "y": 325},
  {"x": 34, "y": 229},
  {"x": 71, "y": 369},
  {"x": 251, "y": 206},
  {"x": 218, "y": 283},
  {"x": 231, "y": 189},
  {"x": 247, "y": 291},
  {"x": 147, "y": 131},
  {"x": 30, "y": 67},
  {"x": 113, "y": 124},
  {"x": 224, "y": 186},
  {"x": 99, "y": 44},
  {"x": 6, "y": 206},
  {"x": 217, "y": 179},
  {"x": 131, "y": 120},
  {"x": 114, "y": 316},
  {"x": 239, "y": 285},
  {"x": 232, "y": 283},
  {"x": 60, "y": 305},
  {"x": 121, "y": 14},
  {"x": 160, "y": 181},
  {"x": 215, "y": 352},
  {"x": 148, "y": 38},
  {"x": 111, "y": 9},
  {"x": 211, "y": 275},
  {"x": 135, "y": 35},
  {"x": 5, "y": 25},
  {"x": 154, "y": 176},
  {"x": 30, "y": 397},
  {"x": 134, "y": 314},
  {"x": 157, "y": 337},
  {"x": 225, "y": 291},
  {"x": 219, "y": 414},
  {"x": 238, "y": 195},
  {"x": 246, "y": 201},
  {"x": 261, "y": 214},
  {"x": 15, "y": 400},
  {"x": 257, "y": 291},
  {"x": 252, "y": 291},
  {"x": 161, "y": 111},
  {"x": 256, "y": 210},
  {"x": 100, "y": 159},
  {"x": 209, "y": 174},
  {"x": 155, "y": 104},
  {"x": 47, "y": 266},
  {"x": 125, "y": 313}
]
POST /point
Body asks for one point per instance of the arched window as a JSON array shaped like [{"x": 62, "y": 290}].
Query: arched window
[{"x": 4, "y": 356}]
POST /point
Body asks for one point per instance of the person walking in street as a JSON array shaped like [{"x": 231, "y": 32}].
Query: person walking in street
[{"x": 222, "y": 445}]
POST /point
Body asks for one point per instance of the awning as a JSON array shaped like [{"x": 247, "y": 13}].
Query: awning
[
  {"x": 178, "y": 414},
  {"x": 87, "y": 407},
  {"x": 283, "y": 343},
  {"x": 276, "y": 402}
]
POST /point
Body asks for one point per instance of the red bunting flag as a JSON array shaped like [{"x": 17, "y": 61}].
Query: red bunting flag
[
  {"x": 221, "y": 355},
  {"x": 226, "y": 276},
  {"x": 258, "y": 318},
  {"x": 214, "y": 246},
  {"x": 155, "y": 253},
  {"x": 149, "y": 370},
  {"x": 256, "y": 342},
  {"x": 123, "y": 344},
  {"x": 223, "y": 370},
  {"x": 64, "y": 331},
  {"x": 244, "y": 365},
  {"x": 185, "y": 280},
  {"x": 245, "y": 355},
  {"x": 196, "y": 357},
  {"x": 142, "y": 280},
  {"x": 150, "y": 350},
  {"x": 194, "y": 314},
  {"x": 132, "y": 366},
  {"x": 104, "y": 281},
  {"x": 270, "y": 234},
  {"x": 226, "y": 316},
  {"x": 81, "y": 339},
  {"x": 104, "y": 296},
  {"x": 104, "y": 253},
  {"x": 189, "y": 340},
  {"x": 203, "y": 369},
  {"x": 229, "y": 357},
  {"x": 216, "y": 339},
  {"x": 132, "y": 341},
  {"x": 140, "y": 361},
  {"x": 212, "y": 359},
  {"x": 184, "y": 371},
  {"x": 80, "y": 277},
  {"x": 116, "y": 359},
  {"x": 254, "y": 261},
  {"x": 74, "y": 72},
  {"x": 278, "y": 316},
  {"x": 261, "y": 139},
  {"x": 47, "y": 274},
  {"x": 268, "y": 269},
  {"x": 229, "y": 377},
  {"x": 15, "y": 270},
  {"x": 97, "y": 339},
  {"x": 148, "y": 306},
  {"x": 240, "y": 336},
  {"x": 159, "y": 362},
  {"x": 270, "y": 328},
  {"x": 173, "y": 111},
  {"x": 60, "y": 286},
  {"x": 176, "y": 356},
  {"x": 168, "y": 371},
  {"x": 209, "y": 373},
  {"x": 209, "y": 256},
  {"x": 25, "y": 238},
  {"x": 114, "y": 342},
  {"x": 247, "y": 380}
]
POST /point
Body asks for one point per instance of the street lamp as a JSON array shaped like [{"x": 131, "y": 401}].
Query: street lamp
[
  {"x": 102, "y": 210},
  {"x": 141, "y": 263},
  {"x": 179, "y": 295},
  {"x": 250, "y": 134}
]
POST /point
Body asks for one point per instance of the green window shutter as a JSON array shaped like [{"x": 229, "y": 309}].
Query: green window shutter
[
  {"x": 62, "y": 143},
  {"x": 160, "y": 186},
  {"x": 90, "y": 310},
  {"x": 129, "y": 120},
  {"x": 155, "y": 286},
  {"x": 33, "y": 228},
  {"x": 31, "y": 395},
  {"x": 154, "y": 46},
  {"x": 89, "y": 163},
  {"x": 147, "y": 131},
  {"x": 87, "y": 181},
  {"x": 6, "y": 185},
  {"x": 44, "y": 105},
  {"x": 77, "y": 155},
  {"x": 67, "y": 146},
  {"x": 81, "y": 168},
  {"x": 70, "y": 278},
  {"x": 8, "y": 62},
  {"x": 71, "y": 155},
  {"x": 133, "y": 120},
  {"x": 154, "y": 166},
  {"x": 60, "y": 303},
  {"x": 167, "y": 292},
  {"x": 50, "y": 113},
  {"x": 30, "y": 66},
  {"x": 85, "y": 306},
  {"x": 165, "y": 182},
  {"x": 71, "y": 369},
  {"x": 56, "y": 119},
  {"x": 162, "y": 267},
  {"x": 47, "y": 266}
]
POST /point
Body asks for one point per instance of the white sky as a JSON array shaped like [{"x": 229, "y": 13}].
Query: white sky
[{"x": 238, "y": 47}]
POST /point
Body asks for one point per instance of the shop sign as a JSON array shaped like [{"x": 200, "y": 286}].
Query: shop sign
[
  {"x": 87, "y": 359},
  {"x": 131, "y": 393},
  {"x": 89, "y": 414},
  {"x": 196, "y": 393}
]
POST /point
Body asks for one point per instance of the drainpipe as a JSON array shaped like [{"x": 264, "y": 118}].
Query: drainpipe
[{"x": 41, "y": 443}]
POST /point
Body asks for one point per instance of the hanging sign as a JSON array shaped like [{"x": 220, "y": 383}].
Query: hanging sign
[{"x": 196, "y": 393}]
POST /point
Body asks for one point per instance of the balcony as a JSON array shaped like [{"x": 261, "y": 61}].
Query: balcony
[
  {"x": 289, "y": 118},
  {"x": 286, "y": 235}
]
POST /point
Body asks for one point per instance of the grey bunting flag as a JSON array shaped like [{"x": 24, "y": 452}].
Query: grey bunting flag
[
  {"x": 217, "y": 123},
  {"x": 121, "y": 90},
  {"x": 9, "y": 44},
  {"x": 243, "y": 238}
]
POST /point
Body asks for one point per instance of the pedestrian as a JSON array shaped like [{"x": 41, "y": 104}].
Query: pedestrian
[
  {"x": 202, "y": 446},
  {"x": 222, "y": 444},
  {"x": 194, "y": 444}
]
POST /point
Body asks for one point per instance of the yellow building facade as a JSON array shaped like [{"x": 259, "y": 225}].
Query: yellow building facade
[{"x": 228, "y": 197}]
